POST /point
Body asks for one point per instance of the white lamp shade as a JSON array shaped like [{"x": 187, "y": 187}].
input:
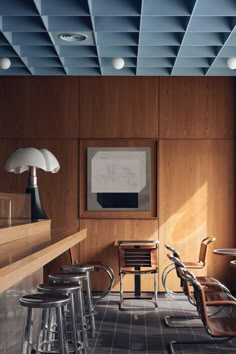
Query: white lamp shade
[
  {"x": 52, "y": 164},
  {"x": 118, "y": 63},
  {"x": 231, "y": 63},
  {"x": 21, "y": 159},
  {"x": 5, "y": 63}
]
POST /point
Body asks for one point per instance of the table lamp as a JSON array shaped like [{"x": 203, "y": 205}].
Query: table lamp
[{"x": 29, "y": 159}]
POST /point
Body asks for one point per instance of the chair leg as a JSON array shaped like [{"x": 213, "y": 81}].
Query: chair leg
[
  {"x": 182, "y": 321},
  {"x": 171, "y": 349},
  {"x": 155, "y": 290},
  {"x": 121, "y": 293},
  {"x": 163, "y": 276},
  {"x": 174, "y": 295}
]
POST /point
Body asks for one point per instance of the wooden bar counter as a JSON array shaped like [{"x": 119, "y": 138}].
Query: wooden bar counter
[{"x": 24, "y": 250}]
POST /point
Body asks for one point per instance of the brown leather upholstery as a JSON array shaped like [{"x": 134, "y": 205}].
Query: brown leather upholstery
[
  {"x": 214, "y": 291},
  {"x": 137, "y": 258},
  {"x": 220, "y": 326},
  {"x": 200, "y": 263}
]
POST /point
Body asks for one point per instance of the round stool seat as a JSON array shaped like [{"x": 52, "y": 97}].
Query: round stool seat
[
  {"x": 44, "y": 300},
  {"x": 67, "y": 277},
  {"x": 52, "y": 306},
  {"x": 74, "y": 318},
  {"x": 62, "y": 288},
  {"x": 78, "y": 268}
]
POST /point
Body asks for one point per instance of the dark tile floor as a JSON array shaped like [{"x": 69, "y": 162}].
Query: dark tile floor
[{"x": 141, "y": 329}]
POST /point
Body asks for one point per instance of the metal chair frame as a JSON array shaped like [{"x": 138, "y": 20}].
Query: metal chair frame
[
  {"x": 133, "y": 257},
  {"x": 207, "y": 320},
  {"x": 98, "y": 267},
  {"x": 200, "y": 264},
  {"x": 210, "y": 284}
]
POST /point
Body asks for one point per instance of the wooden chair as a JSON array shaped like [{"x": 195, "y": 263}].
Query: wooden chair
[
  {"x": 137, "y": 258},
  {"x": 198, "y": 264},
  {"x": 221, "y": 327}
]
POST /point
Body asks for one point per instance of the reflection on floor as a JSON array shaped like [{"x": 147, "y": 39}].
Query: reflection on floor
[{"x": 141, "y": 329}]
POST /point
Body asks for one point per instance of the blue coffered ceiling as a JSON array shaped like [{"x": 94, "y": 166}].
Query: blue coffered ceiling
[{"x": 155, "y": 37}]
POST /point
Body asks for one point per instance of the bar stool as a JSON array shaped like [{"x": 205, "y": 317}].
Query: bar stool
[
  {"x": 70, "y": 289},
  {"x": 84, "y": 269},
  {"x": 99, "y": 266},
  {"x": 74, "y": 278},
  {"x": 45, "y": 302}
]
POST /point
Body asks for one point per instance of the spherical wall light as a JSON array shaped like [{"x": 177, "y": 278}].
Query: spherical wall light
[
  {"x": 5, "y": 63},
  {"x": 231, "y": 63},
  {"x": 118, "y": 63}
]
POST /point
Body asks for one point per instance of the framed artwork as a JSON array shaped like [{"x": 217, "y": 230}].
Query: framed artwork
[{"x": 118, "y": 179}]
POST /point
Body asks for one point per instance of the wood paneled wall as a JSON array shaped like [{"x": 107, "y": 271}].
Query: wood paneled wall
[{"x": 192, "y": 121}]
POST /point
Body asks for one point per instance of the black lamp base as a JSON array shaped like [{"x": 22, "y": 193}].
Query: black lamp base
[{"x": 37, "y": 211}]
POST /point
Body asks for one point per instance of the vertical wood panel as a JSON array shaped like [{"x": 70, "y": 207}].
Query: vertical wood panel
[
  {"x": 197, "y": 108},
  {"x": 39, "y": 107},
  {"x": 196, "y": 194},
  {"x": 99, "y": 245},
  {"x": 118, "y": 107}
]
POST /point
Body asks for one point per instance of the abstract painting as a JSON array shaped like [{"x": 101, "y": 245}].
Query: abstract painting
[{"x": 118, "y": 178}]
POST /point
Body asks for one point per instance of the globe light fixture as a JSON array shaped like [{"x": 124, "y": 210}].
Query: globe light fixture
[
  {"x": 5, "y": 63},
  {"x": 29, "y": 159},
  {"x": 118, "y": 63},
  {"x": 231, "y": 63}
]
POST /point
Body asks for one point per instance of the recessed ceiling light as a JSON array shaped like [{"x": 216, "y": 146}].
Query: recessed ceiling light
[{"x": 72, "y": 37}]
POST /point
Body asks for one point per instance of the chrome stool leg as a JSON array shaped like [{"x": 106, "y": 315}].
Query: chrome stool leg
[
  {"x": 45, "y": 301},
  {"x": 74, "y": 278},
  {"x": 86, "y": 270},
  {"x": 74, "y": 319},
  {"x": 27, "y": 342},
  {"x": 90, "y": 305}
]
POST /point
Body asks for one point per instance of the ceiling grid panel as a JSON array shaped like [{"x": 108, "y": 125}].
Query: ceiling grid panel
[
  {"x": 154, "y": 37},
  {"x": 140, "y": 26},
  {"x": 99, "y": 61},
  {"x": 174, "y": 69},
  {"x": 211, "y": 70}
]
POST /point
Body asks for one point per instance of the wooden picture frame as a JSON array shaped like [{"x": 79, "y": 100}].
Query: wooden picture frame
[{"x": 90, "y": 205}]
